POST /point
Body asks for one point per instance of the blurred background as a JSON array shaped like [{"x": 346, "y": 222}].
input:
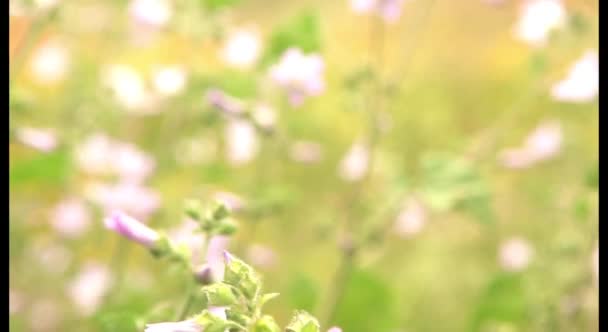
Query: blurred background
[{"x": 414, "y": 165}]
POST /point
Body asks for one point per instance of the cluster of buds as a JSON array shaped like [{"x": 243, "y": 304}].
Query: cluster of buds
[{"x": 213, "y": 221}]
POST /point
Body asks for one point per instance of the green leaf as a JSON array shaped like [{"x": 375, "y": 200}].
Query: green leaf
[
  {"x": 243, "y": 277},
  {"x": 118, "y": 322},
  {"x": 303, "y": 293},
  {"x": 219, "y": 294},
  {"x": 52, "y": 168},
  {"x": 219, "y": 4},
  {"x": 303, "y": 322},
  {"x": 367, "y": 305},
  {"x": 266, "y": 324},
  {"x": 302, "y": 32},
  {"x": 267, "y": 297}
]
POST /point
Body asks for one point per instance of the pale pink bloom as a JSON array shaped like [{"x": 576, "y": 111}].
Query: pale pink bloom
[
  {"x": 44, "y": 315},
  {"x": 542, "y": 144},
  {"x": 183, "y": 326},
  {"x": 224, "y": 102},
  {"x": 335, "y": 329},
  {"x": 232, "y": 201},
  {"x": 354, "y": 166},
  {"x": 15, "y": 301},
  {"x": 131, "y": 197},
  {"x": 301, "y": 75},
  {"x": 88, "y": 289},
  {"x": 242, "y": 48},
  {"x": 71, "y": 218},
  {"x": 186, "y": 234},
  {"x": 154, "y": 13},
  {"x": 388, "y": 10},
  {"x": 582, "y": 83},
  {"x": 50, "y": 62},
  {"x": 215, "y": 255},
  {"x": 261, "y": 256},
  {"x": 169, "y": 81},
  {"x": 537, "y": 19},
  {"x": 101, "y": 155},
  {"x": 264, "y": 116},
  {"x": 132, "y": 229},
  {"x": 53, "y": 258},
  {"x": 515, "y": 254},
  {"x": 306, "y": 152},
  {"x": 39, "y": 139},
  {"x": 242, "y": 142},
  {"x": 129, "y": 89},
  {"x": 411, "y": 219}
]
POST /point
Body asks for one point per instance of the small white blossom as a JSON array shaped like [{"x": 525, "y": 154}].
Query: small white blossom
[
  {"x": 582, "y": 83},
  {"x": 50, "y": 62},
  {"x": 155, "y": 13},
  {"x": 515, "y": 254},
  {"x": 411, "y": 219},
  {"x": 40, "y": 139},
  {"x": 299, "y": 74},
  {"x": 242, "y": 141},
  {"x": 170, "y": 81},
  {"x": 242, "y": 48},
  {"x": 542, "y": 144},
  {"x": 537, "y": 19},
  {"x": 354, "y": 166}
]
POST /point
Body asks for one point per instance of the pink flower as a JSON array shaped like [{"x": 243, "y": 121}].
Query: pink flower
[
  {"x": 582, "y": 83},
  {"x": 70, "y": 218},
  {"x": 335, "y": 329},
  {"x": 354, "y": 166},
  {"x": 542, "y": 144},
  {"x": 132, "y": 229},
  {"x": 411, "y": 219},
  {"x": 154, "y": 13},
  {"x": 215, "y": 255},
  {"x": 40, "y": 139},
  {"x": 89, "y": 287},
  {"x": 515, "y": 254},
  {"x": 388, "y": 10},
  {"x": 301, "y": 75},
  {"x": 224, "y": 102}
]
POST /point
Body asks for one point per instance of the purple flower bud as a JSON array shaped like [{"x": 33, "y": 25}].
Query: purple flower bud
[
  {"x": 223, "y": 102},
  {"x": 132, "y": 229},
  {"x": 228, "y": 257},
  {"x": 204, "y": 274}
]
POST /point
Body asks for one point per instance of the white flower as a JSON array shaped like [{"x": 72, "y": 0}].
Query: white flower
[
  {"x": 411, "y": 219},
  {"x": 515, "y": 254},
  {"x": 242, "y": 141},
  {"x": 354, "y": 166},
  {"x": 183, "y": 326},
  {"x": 70, "y": 218},
  {"x": 50, "y": 62},
  {"x": 542, "y": 144},
  {"x": 89, "y": 287},
  {"x": 40, "y": 139},
  {"x": 582, "y": 83},
  {"x": 306, "y": 152},
  {"x": 537, "y": 19},
  {"x": 242, "y": 48},
  {"x": 301, "y": 75},
  {"x": 129, "y": 88},
  {"x": 155, "y": 13},
  {"x": 264, "y": 116},
  {"x": 170, "y": 81},
  {"x": 388, "y": 10}
]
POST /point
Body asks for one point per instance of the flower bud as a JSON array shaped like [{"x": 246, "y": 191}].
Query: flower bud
[
  {"x": 132, "y": 229},
  {"x": 204, "y": 275}
]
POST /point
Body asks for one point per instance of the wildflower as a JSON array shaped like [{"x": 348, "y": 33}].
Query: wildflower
[
  {"x": 224, "y": 102},
  {"x": 306, "y": 152},
  {"x": 515, "y": 254},
  {"x": 39, "y": 139},
  {"x": 261, "y": 256},
  {"x": 242, "y": 141},
  {"x": 154, "y": 13},
  {"x": 354, "y": 166},
  {"x": 542, "y": 144},
  {"x": 335, "y": 329},
  {"x": 301, "y": 75},
  {"x": 131, "y": 197},
  {"x": 242, "y": 48},
  {"x": 50, "y": 62},
  {"x": 70, "y": 218},
  {"x": 388, "y": 10},
  {"x": 132, "y": 229},
  {"x": 264, "y": 116},
  {"x": 170, "y": 81},
  {"x": 537, "y": 19},
  {"x": 183, "y": 326},
  {"x": 204, "y": 274},
  {"x": 89, "y": 287},
  {"x": 411, "y": 219},
  {"x": 582, "y": 83},
  {"x": 129, "y": 88}
]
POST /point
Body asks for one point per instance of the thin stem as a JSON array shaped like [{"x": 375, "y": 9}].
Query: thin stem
[{"x": 187, "y": 303}]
